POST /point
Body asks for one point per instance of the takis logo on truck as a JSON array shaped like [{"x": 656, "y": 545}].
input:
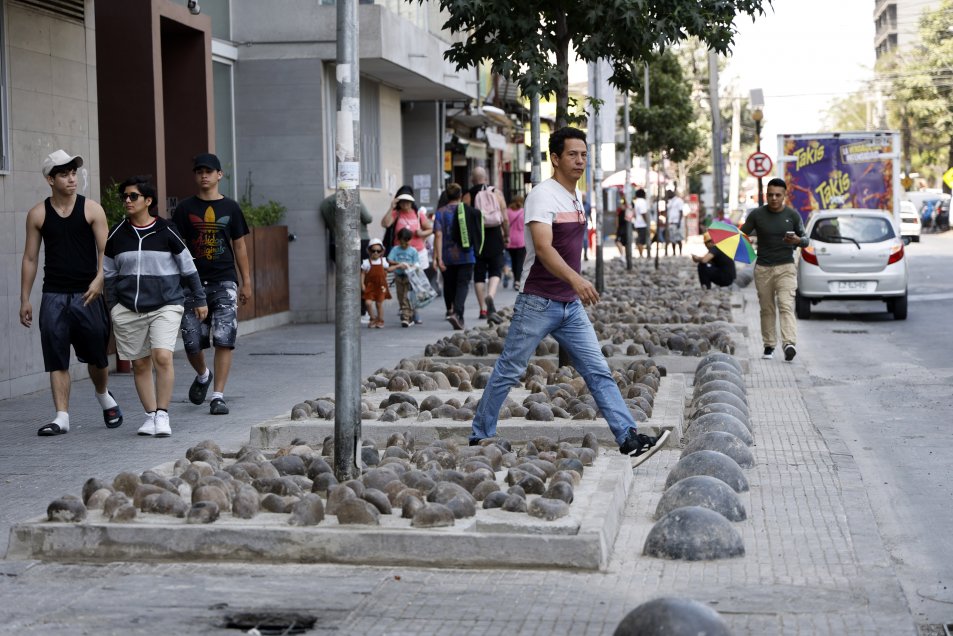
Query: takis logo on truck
[{"x": 849, "y": 169}]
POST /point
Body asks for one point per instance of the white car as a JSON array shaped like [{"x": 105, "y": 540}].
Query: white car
[
  {"x": 909, "y": 222},
  {"x": 855, "y": 254}
]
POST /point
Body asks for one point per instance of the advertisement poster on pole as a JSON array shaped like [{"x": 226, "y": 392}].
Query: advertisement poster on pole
[{"x": 850, "y": 171}]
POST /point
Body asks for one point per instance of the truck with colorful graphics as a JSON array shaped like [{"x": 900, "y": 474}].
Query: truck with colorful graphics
[{"x": 841, "y": 170}]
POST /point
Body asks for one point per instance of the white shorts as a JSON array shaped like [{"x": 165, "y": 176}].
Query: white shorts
[{"x": 138, "y": 334}]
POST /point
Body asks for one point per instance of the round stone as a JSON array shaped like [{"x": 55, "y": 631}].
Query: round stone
[
  {"x": 433, "y": 515},
  {"x": 245, "y": 503},
  {"x": 164, "y": 503},
  {"x": 672, "y": 616},
  {"x": 722, "y": 397},
  {"x": 717, "y": 407},
  {"x": 379, "y": 500},
  {"x": 720, "y": 357},
  {"x": 722, "y": 385},
  {"x": 482, "y": 490},
  {"x": 495, "y": 499},
  {"x": 548, "y": 509},
  {"x": 323, "y": 482},
  {"x": 378, "y": 478},
  {"x": 357, "y": 512},
  {"x": 540, "y": 412},
  {"x": 307, "y": 511},
  {"x": 693, "y": 533},
  {"x": 704, "y": 491},
  {"x": 127, "y": 482},
  {"x": 728, "y": 375},
  {"x": 532, "y": 485},
  {"x": 719, "y": 422},
  {"x": 430, "y": 402},
  {"x": 92, "y": 485},
  {"x": 276, "y": 503},
  {"x": 213, "y": 493},
  {"x": 66, "y": 509},
  {"x": 410, "y": 505},
  {"x": 559, "y": 490},
  {"x": 711, "y": 463},
  {"x": 202, "y": 512},
  {"x": 514, "y": 503},
  {"x": 722, "y": 442},
  {"x": 124, "y": 513}
]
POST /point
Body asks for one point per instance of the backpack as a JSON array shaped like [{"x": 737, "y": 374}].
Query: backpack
[{"x": 487, "y": 202}]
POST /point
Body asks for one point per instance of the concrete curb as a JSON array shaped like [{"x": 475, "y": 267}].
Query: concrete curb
[{"x": 493, "y": 538}]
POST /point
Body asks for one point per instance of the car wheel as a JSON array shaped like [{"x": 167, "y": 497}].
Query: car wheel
[
  {"x": 898, "y": 307},
  {"x": 906, "y": 240},
  {"x": 802, "y": 307},
  {"x": 916, "y": 239}
]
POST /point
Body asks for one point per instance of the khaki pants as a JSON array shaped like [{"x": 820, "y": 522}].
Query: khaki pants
[
  {"x": 776, "y": 287},
  {"x": 402, "y": 283}
]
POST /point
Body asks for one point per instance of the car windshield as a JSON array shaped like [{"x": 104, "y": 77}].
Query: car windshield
[{"x": 851, "y": 229}]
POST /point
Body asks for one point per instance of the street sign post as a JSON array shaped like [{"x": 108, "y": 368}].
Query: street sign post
[{"x": 759, "y": 164}]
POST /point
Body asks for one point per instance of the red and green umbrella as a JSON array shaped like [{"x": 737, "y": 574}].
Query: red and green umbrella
[{"x": 731, "y": 241}]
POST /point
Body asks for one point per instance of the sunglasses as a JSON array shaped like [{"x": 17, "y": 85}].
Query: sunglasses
[
  {"x": 579, "y": 211},
  {"x": 375, "y": 251},
  {"x": 132, "y": 196}
]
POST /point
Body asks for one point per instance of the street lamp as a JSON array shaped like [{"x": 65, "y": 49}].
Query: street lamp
[{"x": 757, "y": 104}]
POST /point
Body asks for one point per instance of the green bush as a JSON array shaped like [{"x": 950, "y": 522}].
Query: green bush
[
  {"x": 269, "y": 213},
  {"x": 112, "y": 204}
]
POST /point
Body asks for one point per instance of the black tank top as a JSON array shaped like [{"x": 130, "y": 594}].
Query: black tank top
[{"x": 70, "y": 262}]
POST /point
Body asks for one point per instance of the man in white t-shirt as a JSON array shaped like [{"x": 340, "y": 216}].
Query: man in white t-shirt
[
  {"x": 641, "y": 221},
  {"x": 674, "y": 215},
  {"x": 552, "y": 298}
]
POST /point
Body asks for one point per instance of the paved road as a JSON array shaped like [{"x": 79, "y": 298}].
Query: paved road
[{"x": 885, "y": 387}]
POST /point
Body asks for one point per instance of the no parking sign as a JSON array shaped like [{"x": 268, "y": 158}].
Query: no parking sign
[{"x": 759, "y": 164}]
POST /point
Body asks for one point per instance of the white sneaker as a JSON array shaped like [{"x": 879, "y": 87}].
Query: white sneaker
[
  {"x": 162, "y": 424},
  {"x": 149, "y": 426}
]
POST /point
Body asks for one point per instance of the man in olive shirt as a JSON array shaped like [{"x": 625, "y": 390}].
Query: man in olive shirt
[{"x": 780, "y": 231}]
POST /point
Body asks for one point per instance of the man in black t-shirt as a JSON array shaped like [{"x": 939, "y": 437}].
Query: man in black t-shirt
[
  {"x": 715, "y": 266},
  {"x": 214, "y": 228}
]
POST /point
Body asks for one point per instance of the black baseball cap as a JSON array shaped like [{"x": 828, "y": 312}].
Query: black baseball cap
[{"x": 206, "y": 160}]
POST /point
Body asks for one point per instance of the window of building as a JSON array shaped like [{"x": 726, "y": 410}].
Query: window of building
[{"x": 223, "y": 97}]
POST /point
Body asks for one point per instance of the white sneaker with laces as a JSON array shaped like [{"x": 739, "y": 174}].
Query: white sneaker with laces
[
  {"x": 162, "y": 424},
  {"x": 149, "y": 426}
]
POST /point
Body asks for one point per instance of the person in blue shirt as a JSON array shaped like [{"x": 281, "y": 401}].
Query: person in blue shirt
[{"x": 403, "y": 257}]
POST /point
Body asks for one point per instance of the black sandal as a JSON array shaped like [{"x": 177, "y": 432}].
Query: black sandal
[
  {"x": 48, "y": 430},
  {"x": 112, "y": 416}
]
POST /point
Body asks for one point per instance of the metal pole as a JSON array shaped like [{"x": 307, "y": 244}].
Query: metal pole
[
  {"x": 347, "y": 327},
  {"x": 757, "y": 139},
  {"x": 536, "y": 174},
  {"x": 659, "y": 226},
  {"x": 718, "y": 169},
  {"x": 647, "y": 102},
  {"x": 596, "y": 149},
  {"x": 627, "y": 189}
]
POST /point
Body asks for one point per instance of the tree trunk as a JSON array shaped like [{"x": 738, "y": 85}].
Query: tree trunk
[{"x": 562, "y": 67}]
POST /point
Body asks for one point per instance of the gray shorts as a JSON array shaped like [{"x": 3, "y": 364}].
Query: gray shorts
[
  {"x": 220, "y": 327},
  {"x": 65, "y": 321}
]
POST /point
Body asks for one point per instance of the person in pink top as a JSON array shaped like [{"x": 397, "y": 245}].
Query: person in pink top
[
  {"x": 517, "y": 243},
  {"x": 403, "y": 213}
]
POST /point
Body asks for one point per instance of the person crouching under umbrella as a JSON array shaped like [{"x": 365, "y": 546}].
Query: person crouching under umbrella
[{"x": 715, "y": 266}]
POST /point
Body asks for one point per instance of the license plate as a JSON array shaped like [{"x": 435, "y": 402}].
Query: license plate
[{"x": 852, "y": 286}]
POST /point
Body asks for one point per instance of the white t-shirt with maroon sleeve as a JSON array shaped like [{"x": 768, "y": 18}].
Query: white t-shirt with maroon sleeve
[{"x": 552, "y": 204}]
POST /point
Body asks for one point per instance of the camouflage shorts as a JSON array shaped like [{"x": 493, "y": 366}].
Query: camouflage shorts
[{"x": 220, "y": 327}]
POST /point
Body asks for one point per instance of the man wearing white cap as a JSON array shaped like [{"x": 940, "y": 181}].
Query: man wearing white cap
[{"x": 72, "y": 313}]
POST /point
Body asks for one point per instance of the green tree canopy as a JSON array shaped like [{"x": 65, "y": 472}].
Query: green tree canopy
[
  {"x": 519, "y": 38},
  {"x": 668, "y": 124},
  {"x": 920, "y": 86}
]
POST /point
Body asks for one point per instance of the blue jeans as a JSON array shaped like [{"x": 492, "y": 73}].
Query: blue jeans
[{"x": 534, "y": 318}]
